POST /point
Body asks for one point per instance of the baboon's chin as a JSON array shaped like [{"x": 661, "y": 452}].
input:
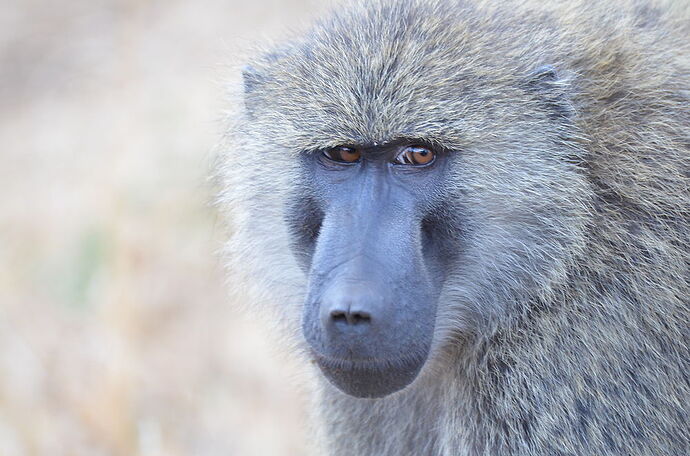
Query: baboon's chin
[{"x": 370, "y": 379}]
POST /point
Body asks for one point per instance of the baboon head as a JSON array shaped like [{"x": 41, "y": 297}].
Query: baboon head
[{"x": 398, "y": 184}]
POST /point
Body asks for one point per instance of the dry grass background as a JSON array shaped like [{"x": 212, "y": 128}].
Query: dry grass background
[{"x": 116, "y": 333}]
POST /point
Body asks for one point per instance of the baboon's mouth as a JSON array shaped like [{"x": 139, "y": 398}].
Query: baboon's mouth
[{"x": 370, "y": 377}]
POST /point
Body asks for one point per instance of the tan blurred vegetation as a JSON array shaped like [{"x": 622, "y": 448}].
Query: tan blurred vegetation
[{"x": 116, "y": 333}]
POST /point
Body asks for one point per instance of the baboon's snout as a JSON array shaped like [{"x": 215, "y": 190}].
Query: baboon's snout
[{"x": 367, "y": 336}]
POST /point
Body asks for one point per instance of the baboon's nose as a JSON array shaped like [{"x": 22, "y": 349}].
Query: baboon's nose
[
  {"x": 350, "y": 308},
  {"x": 341, "y": 315}
]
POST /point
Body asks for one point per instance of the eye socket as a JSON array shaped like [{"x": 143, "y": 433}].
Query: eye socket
[
  {"x": 415, "y": 155},
  {"x": 342, "y": 154}
]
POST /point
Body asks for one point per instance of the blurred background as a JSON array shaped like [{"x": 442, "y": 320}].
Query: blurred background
[{"x": 116, "y": 333}]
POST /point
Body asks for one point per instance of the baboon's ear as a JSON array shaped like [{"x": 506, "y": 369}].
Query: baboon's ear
[
  {"x": 551, "y": 87},
  {"x": 256, "y": 75},
  {"x": 252, "y": 80},
  {"x": 542, "y": 75}
]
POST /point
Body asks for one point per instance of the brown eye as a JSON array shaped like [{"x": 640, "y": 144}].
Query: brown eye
[
  {"x": 415, "y": 155},
  {"x": 342, "y": 154}
]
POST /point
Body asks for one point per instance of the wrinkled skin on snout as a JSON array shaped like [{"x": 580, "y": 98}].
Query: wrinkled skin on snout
[{"x": 363, "y": 232}]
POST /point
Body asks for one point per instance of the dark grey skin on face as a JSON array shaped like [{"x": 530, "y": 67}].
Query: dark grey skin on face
[{"x": 365, "y": 233}]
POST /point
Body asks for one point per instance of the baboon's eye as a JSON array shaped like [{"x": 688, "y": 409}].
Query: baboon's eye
[
  {"x": 342, "y": 154},
  {"x": 415, "y": 155}
]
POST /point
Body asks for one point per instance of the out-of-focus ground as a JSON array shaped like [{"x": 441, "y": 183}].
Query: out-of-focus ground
[{"x": 116, "y": 333}]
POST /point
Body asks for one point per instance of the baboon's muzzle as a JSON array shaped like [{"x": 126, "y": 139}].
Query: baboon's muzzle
[{"x": 370, "y": 310}]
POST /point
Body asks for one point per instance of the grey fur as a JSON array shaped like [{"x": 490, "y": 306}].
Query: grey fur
[{"x": 564, "y": 327}]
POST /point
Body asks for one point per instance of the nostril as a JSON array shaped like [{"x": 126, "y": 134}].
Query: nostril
[
  {"x": 338, "y": 315},
  {"x": 350, "y": 318},
  {"x": 360, "y": 317}
]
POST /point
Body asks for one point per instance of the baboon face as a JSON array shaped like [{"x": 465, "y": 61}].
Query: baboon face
[
  {"x": 428, "y": 187},
  {"x": 383, "y": 231},
  {"x": 375, "y": 272}
]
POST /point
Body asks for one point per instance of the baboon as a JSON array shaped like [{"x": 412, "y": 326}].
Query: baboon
[{"x": 473, "y": 218}]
